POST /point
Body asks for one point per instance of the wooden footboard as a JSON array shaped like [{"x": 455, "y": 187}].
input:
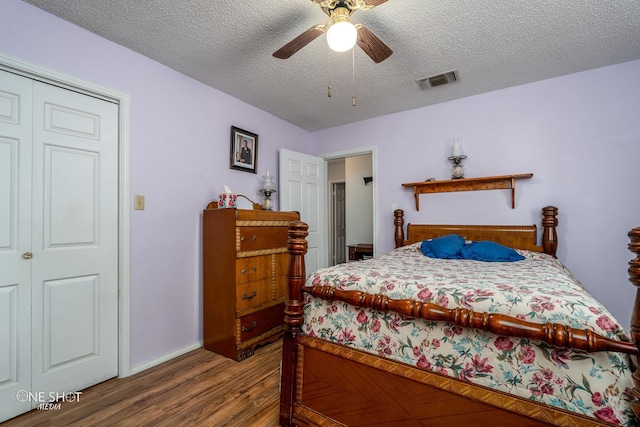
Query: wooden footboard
[
  {"x": 297, "y": 358},
  {"x": 362, "y": 390},
  {"x": 551, "y": 333}
]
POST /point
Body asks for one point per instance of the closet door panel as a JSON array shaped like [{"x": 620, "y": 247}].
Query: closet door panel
[
  {"x": 75, "y": 240},
  {"x": 15, "y": 244}
]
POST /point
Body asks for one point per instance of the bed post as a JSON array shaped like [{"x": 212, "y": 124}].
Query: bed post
[
  {"x": 293, "y": 318},
  {"x": 634, "y": 278},
  {"x": 549, "y": 224},
  {"x": 398, "y": 220}
]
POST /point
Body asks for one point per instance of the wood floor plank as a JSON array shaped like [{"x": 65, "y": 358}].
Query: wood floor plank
[{"x": 200, "y": 388}]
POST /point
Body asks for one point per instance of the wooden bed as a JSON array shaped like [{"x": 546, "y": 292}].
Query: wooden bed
[{"x": 326, "y": 384}]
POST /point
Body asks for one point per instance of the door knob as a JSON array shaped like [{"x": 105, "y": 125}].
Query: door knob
[{"x": 27, "y": 255}]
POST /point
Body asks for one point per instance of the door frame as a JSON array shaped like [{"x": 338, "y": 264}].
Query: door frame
[
  {"x": 332, "y": 224},
  {"x": 38, "y": 72},
  {"x": 372, "y": 150}
]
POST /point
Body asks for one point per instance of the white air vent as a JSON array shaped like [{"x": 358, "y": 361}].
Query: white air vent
[{"x": 438, "y": 79}]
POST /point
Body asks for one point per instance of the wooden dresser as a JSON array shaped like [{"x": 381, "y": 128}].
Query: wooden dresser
[{"x": 245, "y": 264}]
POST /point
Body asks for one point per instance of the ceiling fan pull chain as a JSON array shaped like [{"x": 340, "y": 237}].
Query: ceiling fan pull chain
[
  {"x": 353, "y": 76},
  {"x": 329, "y": 87}
]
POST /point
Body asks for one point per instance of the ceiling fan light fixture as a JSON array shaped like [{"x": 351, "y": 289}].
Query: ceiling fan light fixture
[{"x": 342, "y": 34}]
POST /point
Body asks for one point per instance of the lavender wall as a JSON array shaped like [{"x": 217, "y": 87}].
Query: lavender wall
[
  {"x": 578, "y": 134},
  {"x": 180, "y": 131}
]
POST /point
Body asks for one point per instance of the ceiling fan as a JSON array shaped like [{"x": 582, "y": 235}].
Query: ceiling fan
[{"x": 339, "y": 11}]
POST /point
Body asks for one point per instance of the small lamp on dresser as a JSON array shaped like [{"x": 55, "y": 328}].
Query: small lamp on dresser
[{"x": 268, "y": 187}]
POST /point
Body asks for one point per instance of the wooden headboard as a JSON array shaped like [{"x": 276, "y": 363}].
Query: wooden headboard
[{"x": 514, "y": 236}]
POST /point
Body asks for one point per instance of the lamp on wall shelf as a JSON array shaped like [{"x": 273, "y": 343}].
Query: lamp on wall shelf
[
  {"x": 268, "y": 187},
  {"x": 457, "y": 170}
]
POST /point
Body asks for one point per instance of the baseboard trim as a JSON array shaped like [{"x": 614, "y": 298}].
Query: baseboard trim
[{"x": 155, "y": 362}]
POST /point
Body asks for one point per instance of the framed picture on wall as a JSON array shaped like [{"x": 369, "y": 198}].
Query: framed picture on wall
[{"x": 244, "y": 150}]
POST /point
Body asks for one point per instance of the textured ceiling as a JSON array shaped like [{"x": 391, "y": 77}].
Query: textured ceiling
[{"x": 494, "y": 44}]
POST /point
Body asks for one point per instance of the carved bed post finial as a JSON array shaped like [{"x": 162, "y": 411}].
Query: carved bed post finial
[
  {"x": 549, "y": 235},
  {"x": 293, "y": 318},
  {"x": 398, "y": 220},
  {"x": 634, "y": 277}
]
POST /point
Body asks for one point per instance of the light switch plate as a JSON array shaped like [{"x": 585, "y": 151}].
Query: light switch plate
[{"x": 138, "y": 202}]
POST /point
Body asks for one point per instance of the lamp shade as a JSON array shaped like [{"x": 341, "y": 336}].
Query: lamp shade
[
  {"x": 268, "y": 184},
  {"x": 457, "y": 151},
  {"x": 341, "y": 36}
]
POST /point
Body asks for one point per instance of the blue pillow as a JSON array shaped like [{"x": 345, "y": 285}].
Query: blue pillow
[
  {"x": 445, "y": 247},
  {"x": 486, "y": 250}
]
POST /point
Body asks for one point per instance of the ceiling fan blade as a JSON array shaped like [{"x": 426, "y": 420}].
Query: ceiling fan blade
[
  {"x": 299, "y": 42},
  {"x": 372, "y": 45}
]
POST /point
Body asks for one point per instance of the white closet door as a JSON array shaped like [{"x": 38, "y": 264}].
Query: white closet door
[
  {"x": 75, "y": 246},
  {"x": 58, "y": 242},
  {"x": 15, "y": 242}
]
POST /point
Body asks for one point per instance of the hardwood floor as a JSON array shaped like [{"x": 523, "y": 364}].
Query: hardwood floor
[{"x": 199, "y": 388}]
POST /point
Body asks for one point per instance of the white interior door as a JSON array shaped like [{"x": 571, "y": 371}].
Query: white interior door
[
  {"x": 15, "y": 241},
  {"x": 303, "y": 188},
  {"x": 75, "y": 240},
  {"x": 71, "y": 290}
]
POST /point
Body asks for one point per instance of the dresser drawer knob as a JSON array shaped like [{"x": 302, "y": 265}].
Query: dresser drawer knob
[
  {"x": 254, "y": 237},
  {"x": 252, "y": 327},
  {"x": 245, "y": 296}
]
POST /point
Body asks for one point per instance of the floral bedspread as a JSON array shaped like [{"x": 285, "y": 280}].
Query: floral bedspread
[{"x": 537, "y": 289}]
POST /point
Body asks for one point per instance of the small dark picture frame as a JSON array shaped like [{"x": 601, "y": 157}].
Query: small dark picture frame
[{"x": 244, "y": 150}]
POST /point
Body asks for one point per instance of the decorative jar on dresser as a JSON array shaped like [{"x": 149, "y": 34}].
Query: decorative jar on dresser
[{"x": 245, "y": 264}]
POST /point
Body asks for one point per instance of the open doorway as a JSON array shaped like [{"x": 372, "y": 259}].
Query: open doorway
[
  {"x": 305, "y": 186},
  {"x": 351, "y": 224}
]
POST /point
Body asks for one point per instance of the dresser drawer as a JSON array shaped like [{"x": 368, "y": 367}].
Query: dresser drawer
[
  {"x": 260, "y": 238},
  {"x": 253, "y": 293},
  {"x": 262, "y": 321},
  {"x": 254, "y": 268}
]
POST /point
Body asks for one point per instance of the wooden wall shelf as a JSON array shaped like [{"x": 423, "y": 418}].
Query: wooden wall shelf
[{"x": 503, "y": 182}]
